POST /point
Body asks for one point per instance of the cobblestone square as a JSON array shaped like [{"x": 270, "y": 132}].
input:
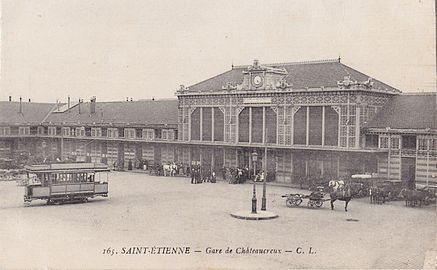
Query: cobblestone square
[{"x": 158, "y": 212}]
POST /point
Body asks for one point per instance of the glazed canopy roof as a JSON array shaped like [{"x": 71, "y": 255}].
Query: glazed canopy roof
[
  {"x": 408, "y": 111},
  {"x": 300, "y": 75}
]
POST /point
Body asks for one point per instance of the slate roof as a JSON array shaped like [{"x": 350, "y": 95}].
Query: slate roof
[
  {"x": 32, "y": 113},
  {"x": 311, "y": 74},
  {"x": 408, "y": 111},
  {"x": 147, "y": 112}
]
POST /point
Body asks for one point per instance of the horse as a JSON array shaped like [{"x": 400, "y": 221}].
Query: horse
[
  {"x": 342, "y": 195},
  {"x": 336, "y": 185},
  {"x": 169, "y": 169},
  {"x": 412, "y": 197},
  {"x": 378, "y": 195}
]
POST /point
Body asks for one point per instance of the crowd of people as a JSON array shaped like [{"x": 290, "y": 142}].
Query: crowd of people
[{"x": 202, "y": 174}]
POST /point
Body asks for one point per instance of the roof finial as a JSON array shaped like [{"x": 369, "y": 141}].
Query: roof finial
[{"x": 339, "y": 58}]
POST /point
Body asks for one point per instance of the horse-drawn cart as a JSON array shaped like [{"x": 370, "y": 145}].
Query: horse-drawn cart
[{"x": 315, "y": 199}]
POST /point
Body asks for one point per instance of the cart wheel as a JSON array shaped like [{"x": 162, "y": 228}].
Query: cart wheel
[
  {"x": 289, "y": 202},
  {"x": 426, "y": 201},
  {"x": 310, "y": 203},
  {"x": 298, "y": 202},
  {"x": 319, "y": 203}
]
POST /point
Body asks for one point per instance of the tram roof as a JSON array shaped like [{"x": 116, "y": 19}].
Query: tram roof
[
  {"x": 67, "y": 167},
  {"x": 301, "y": 75}
]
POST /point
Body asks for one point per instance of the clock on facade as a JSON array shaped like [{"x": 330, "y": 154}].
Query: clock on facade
[{"x": 257, "y": 81}]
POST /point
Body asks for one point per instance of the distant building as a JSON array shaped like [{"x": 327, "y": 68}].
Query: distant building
[{"x": 319, "y": 120}]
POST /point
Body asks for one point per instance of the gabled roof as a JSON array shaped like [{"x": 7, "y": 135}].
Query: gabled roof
[
  {"x": 147, "y": 112},
  {"x": 407, "y": 111},
  {"x": 311, "y": 74},
  {"x": 31, "y": 112}
]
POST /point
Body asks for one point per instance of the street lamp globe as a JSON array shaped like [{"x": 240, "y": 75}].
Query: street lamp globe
[{"x": 254, "y": 156}]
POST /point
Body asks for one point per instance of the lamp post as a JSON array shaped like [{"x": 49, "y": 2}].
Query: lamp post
[
  {"x": 254, "y": 199},
  {"x": 254, "y": 159},
  {"x": 264, "y": 199}
]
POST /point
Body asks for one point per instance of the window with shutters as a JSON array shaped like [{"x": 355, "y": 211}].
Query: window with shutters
[
  {"x": 129, "y": 133},
  {"x": 65, "y": 131},
  {"x": 52, "y": 131},
  {"x": 24, "y": 130},
  {"x": 112, "y": 133},
  {"x": 96, "y": 132},
  {"x": 80, "y": 132},
  {"x": 5, "y": 131}
]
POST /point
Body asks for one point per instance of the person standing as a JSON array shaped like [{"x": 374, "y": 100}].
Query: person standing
[
  {"x": 192, "y": 175},
  {"x": 213, "y": 180}
]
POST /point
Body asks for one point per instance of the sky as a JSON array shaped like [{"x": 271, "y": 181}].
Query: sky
[{"x": 113, "y": 49}]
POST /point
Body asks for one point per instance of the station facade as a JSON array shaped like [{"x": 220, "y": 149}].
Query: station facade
[{"x": 300, "y": 121}]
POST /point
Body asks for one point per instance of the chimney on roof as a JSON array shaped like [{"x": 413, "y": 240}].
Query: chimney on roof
[
  {"x": 78, "y": 105},
  {"x": 29, "y": 99},
  {"x": 21, "y": 108},
  {"x": 131, "y": 99},
  {"x": 93, "y": 105},
  {"x": 127, "y": 98},
  {"x": 68, "y": 102},
  {"x": 10, "y": 98}
]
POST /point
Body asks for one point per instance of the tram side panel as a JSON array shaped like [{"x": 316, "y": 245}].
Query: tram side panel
[
  {"x": 66, "y": 190},
  {"x": 101, "y": 189}
]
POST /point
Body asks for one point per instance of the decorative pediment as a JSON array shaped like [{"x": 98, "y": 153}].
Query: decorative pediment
[
  {"x": 259, "y": 77},
  {"x": 347, "y": 83},
  {"x": 368, "y": 84},
  {"x": 283, "y": 84},
  {"x": 182, "y": 89},
  {"x": 257, "y": 68},
  {"x": 229, "y": 86}
]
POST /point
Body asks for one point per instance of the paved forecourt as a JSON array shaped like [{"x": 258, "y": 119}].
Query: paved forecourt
[{"x": 151, "y": 222}]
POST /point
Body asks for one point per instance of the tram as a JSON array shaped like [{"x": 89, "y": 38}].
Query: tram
[{"x": 68, "y": 182}]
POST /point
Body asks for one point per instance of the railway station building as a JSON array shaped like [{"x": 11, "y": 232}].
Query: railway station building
[{"x": 299, "y": 120}]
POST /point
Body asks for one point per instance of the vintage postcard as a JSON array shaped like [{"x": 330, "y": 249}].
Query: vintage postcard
[{"x": 262, "y": 134}]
